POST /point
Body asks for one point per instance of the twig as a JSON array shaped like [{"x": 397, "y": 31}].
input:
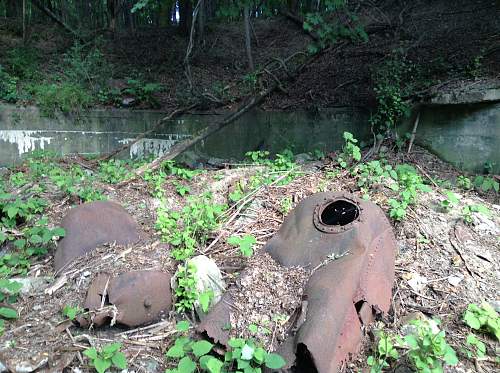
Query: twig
[
  {"x": 170, "y": 116},
  {"x": 413, "y": 132}
]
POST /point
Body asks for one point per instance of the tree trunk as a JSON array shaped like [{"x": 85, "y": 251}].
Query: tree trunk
[
  {"x": 185, "y": 16},
  {"x": 248, "y": 37},
  {"x": 201, "y": 22},
  {"x": 11, "y": 8}
]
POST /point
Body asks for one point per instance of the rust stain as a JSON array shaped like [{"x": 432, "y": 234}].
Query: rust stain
[
  {"x": 139, "y": 297},
  {"x": 92, "y": 224},
  {"x": 351, "y": 248}
]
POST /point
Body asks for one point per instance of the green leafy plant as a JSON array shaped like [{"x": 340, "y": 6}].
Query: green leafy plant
[
  {"x": 181, "y": 189},
  {"x": 410, "y": 183},
  {"x": 469, "y": 209},
  {"x": 450, "y": 201},
  {"x": 474, "y": 347},
  {"x": 186, "y": 293},
  {"x": 143, "y": 92},
  {"x": 113, "y": 171},
  {"x": 428, "y": 349},
  {"x": 483, "y": 318},
  {"x": 246, "y": 355},
  {"x": 65, "y": 96},
  {"x": 106, "y": 357},
  {"x": 245, "y": 244},
  {"x": 350, "y": 151},
  {"x": 384, "y": 353},
  {"x": 189, "y": 228},
  {"x": 8, "y": 86},
  {"x": 464, "y": 182},
  {"x": 286, "y": 205},
  {"x": 9, "y": 290},
  {"x": 71, "y": 312},
  {"x": 486, "y": 183}
]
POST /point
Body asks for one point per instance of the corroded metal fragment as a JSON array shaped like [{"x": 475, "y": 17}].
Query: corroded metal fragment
[
  {"x": 92, "y": 224},
  {"x": 350, "y": 247},
  {"x": 132, "y": 298}
]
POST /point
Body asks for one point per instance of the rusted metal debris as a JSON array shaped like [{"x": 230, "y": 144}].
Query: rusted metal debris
[
  {"x": 132, "y": 298},
  {"x": 350, "y": 247},
  {"x": 92, "y": 224}
]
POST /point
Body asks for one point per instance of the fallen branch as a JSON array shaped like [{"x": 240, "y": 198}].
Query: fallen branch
[
  {"x": 170, "y": 116},
  {"x": 182, "y": 146},
  {"x": 413, "y": 133},
  {"x": 55, "y": 18}
]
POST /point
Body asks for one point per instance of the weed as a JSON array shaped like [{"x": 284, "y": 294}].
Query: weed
[
  {"x": 385, "y": 352},
  {"x": 410, "y": 183},
  {"x": 350, "y": 151},
  {"x": 8, "y": 86},
  {"x": 464, "y": 182},
  {"x": 185, "y": 292},
  {"x": 428, "y": 348},
  {"x": 450, "y": 201},
  {"x": 474, "y": 347},
  {"x": 391, "y": 86},
  {"x": 9, "y": 290},
  {"x": 188, "y": 229},
  {"x": 483, "y": 318},
  {"x": 71, "y": 312},
  {"x": 243, "y": 355},
  {"x": 67, "y": 97},
  {"x": 113, "y": 171},
  {"x": 469, "y": 209},
  {"x": 181, "y": 189},
  {"x": 109, "y": 355},
  {"x": 286, "y": 205},
  {"x": 245, "y": 244},
  {"x": 23, "y": 62},
  {"x": 486, "y": 183},
  {"x": 143, "y": 92}
]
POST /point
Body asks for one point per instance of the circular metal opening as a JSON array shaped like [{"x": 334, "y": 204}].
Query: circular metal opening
[{"x": 340, "y": 212}]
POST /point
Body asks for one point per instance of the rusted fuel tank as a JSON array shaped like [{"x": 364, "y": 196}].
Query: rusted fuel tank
[{"x": 349, "y": 246}]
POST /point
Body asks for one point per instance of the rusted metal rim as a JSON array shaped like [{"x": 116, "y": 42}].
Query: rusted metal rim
[{"x": 340, "y": 223}]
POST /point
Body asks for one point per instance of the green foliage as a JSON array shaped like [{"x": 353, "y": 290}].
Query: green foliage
[
  {"x": 429, "y": 349},
  {"x": 245, "y": 244},
  {"x": 243, "y": 356},
  {"x": 189, "y": 228},
  {"x": 474, "y": 347},
  {"x": 9, "y": 290},
  {"x": 475, "y": 68},
  {"x": 350, "y": 151},
  {"x": 331, "y": 28},
  {"x": 23, "y": 62},
  {"x": 109, "y": 355},
  {"x": 486, "y": 183},
  {"x": 469, "y": 209},
  {"x": 144, "y": 92},
  {"x": 409, "y": 183},
  {"x": 286, "y": 205},
  {"x": 113, "y": 171},
  {"x": 450, "y": 201},
  {"x": 464, "y": 182},
  {"x": 483, "y": 318},
  {"x": 384, "y": 353},
  {"x": 391, "y": 86},
  {"x": 8, "y": 86},
  {"x": 85, "y": 66},
  {"x": 71, "y": 312},
  {"x": 186, "y": 293},
  {"x": 181, "y": 189},
  {"x": 64, "y": 96}
]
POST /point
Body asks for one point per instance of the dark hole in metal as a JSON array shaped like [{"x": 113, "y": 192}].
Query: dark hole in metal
[
  {"x": 340, "y": 212},
  {"x": 305, "y": 362}
]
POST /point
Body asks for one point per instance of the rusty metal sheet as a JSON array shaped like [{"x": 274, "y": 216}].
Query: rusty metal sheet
[
  {"x": 92, "y": 224},
  {"x": 351, "y": 248},
  {"x": 139, "y": 297}
]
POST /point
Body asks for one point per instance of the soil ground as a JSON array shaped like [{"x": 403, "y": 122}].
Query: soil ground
[{"x": 442, "y": 265}]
